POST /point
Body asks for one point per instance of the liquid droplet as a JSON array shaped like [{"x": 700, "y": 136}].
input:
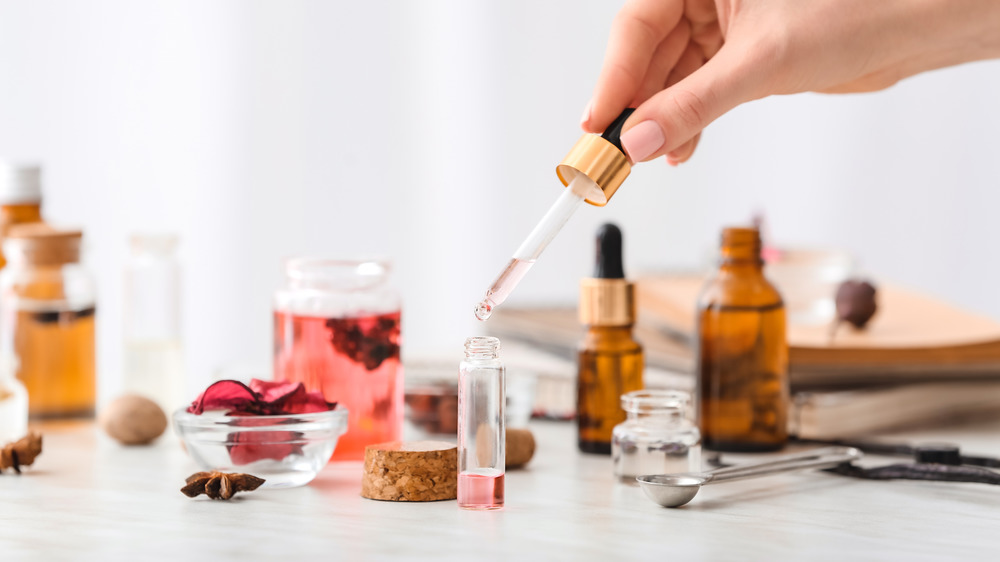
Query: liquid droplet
[{"x": 483, "y": 311}]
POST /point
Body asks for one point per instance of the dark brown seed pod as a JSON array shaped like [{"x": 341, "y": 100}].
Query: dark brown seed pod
[
  {"x": 856, "y": 302},
  {"x": 220, "y": 485}
]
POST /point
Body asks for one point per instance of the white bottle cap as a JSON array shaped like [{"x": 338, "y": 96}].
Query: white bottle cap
[{"x": 20, "y": 183}]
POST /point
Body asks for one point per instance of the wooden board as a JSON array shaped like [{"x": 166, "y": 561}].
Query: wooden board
[
  {"x": 912, "y": 335},
  {"x": 906, "y": 319}
]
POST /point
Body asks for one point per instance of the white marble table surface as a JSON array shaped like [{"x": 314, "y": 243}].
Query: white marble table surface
[{"x": 88, "y": 498}]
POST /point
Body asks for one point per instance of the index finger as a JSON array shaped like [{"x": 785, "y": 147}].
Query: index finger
[{"x": 635, "y": 34}]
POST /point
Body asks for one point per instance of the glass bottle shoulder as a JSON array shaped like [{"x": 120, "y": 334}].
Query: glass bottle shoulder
[
  {"x": 68, "y": 285},
  {"x": 613, "y": 339},
  {"x": 739, "y": 288}
]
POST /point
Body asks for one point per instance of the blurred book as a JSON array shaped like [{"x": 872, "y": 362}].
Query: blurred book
[
  {"x": 859, "y": 413},
  {"x": 830, "y": 414},
  {"x": 558, "y": 331},
  {"x": 859, "y": 403}
]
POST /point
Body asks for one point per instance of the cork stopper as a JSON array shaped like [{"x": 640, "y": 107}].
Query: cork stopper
[
  {"x": 416, "y": 471},
  {"x": 40, "y": 244}
]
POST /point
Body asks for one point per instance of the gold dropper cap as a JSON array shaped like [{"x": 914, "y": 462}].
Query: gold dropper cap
[
  {"x": 607, "y": 298},
  {"x": 607, "y": 302},
  {"x": 600, "y": 158}
]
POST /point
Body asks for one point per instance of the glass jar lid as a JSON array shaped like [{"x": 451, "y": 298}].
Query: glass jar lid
[
  {"x": 337, "y": 274},
  {"x": 655, "y": 401}
]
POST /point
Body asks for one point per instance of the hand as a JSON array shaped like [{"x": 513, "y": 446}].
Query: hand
[{"x": 684, "y": 63}]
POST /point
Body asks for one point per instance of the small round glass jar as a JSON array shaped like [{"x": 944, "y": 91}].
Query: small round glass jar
[
  {"x": 337, "y": 330},
  {"x": 657, "y": 438},
  {"x": 47, "y": 325}
]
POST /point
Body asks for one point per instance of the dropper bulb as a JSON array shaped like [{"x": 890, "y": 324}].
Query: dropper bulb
[{"x": 609, "y": 253}]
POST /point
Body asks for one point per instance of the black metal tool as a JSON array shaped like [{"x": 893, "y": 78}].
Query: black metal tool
[
  {"x": 941, "y": 462},
  {"x": 937, "y": 453}
]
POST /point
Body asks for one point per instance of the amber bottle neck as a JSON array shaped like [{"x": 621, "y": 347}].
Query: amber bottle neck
[
  {"x": 20, "y": 213},
  {"x": 741, "y": 251}
]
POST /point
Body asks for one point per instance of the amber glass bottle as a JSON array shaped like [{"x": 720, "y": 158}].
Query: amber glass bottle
[
  {"x": 47, "y": 299},
  {"x": 610, "y": 360},
  {"x": 20, "y": 197},
  {"x": 743, "y": 353}
]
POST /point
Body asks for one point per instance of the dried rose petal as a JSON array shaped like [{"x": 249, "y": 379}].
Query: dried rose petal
[
  {"x": 308, "y": 402},
  {"x": 290, "y": 398},
  {"x": 260, "y": 398},
  {"x": 275, "y": 391},
  {"x": 224, "y": 395},
  {"x": 250, "y": 446}
]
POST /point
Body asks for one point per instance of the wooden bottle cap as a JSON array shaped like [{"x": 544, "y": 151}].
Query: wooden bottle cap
[{"x": 417, "y": 471}]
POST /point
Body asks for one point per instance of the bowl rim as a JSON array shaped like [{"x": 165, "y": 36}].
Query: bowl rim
[{"x": 182, "y": 417}]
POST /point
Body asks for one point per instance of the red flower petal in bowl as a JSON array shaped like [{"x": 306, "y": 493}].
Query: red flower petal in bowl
[
  {"x": 290, "y": 397},
  {"x": 224, "y": 395},
  {"x": 308, "y": 402},
  {"x": 275, "y": 392},
  {"x": 249, "y": 446}
]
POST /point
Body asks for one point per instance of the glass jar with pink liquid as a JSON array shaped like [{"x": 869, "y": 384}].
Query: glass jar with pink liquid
[{"x": 337, "y": 330}]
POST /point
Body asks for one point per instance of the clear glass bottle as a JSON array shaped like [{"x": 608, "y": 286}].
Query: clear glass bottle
[
  {"x": 337, "y": 330},
  {"x": 742, "y": 371},
  {"x": 481, "y": 431},
  {"x": 13, "y": 402},
  {"x": 154, "y": 363},
  {"x": 659, "y": 436},
  {"x": 20, "y": 197},
  {"x": 47, "y": 324}
]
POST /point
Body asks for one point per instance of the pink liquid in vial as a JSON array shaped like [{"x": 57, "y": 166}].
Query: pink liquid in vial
[
  {"x": 352, "y": 361},
  {"x": 480, "y": 490}
]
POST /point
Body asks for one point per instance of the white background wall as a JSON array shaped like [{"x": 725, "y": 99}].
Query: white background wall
[{"x": 428, "y": 132}]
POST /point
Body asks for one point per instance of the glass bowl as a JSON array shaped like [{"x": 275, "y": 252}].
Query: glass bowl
[{"x": 286, "y": 450}]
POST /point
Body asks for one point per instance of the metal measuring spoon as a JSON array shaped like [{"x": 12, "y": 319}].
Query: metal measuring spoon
[{"x": 675, "y": 490}]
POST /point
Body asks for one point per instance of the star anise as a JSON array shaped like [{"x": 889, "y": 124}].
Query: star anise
[
  {"x": 220, "y": 485},
  {"x": 21, "y": 452}
]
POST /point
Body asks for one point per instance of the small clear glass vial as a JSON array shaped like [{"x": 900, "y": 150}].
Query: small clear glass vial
[
  {"x": 481, "y": 433},
  {"x": 657, "y": 438},
  {"x": 154, "y": 357}
]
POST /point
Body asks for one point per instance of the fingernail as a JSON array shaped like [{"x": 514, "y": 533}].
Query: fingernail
[
  {"x": 586, "y": 113},
  {"x": 643, "y": 140},
  {"x": 672, "y": 162}
]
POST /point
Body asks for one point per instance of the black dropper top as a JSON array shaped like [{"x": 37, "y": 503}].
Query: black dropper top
[
  {"x": 613, "y": 133},
  {"x": 609, "y": 253}
]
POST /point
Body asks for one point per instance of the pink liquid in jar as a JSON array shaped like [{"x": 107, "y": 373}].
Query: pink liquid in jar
[{"x": 353, "y": 361}]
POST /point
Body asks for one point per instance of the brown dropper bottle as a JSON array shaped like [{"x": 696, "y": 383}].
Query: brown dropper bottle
[
  {"x": 610, "y": 360},
  {"x": 743, "y": 353}
]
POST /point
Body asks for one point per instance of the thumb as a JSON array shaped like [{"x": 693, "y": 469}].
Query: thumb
[{"x": 677, "y": 114}]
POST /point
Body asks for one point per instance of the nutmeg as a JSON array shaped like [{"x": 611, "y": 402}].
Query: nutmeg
[{"x": 133, "y": 420}]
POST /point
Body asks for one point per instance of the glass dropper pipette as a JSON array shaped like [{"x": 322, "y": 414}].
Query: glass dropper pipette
[
  {"x": 535, "y": 244},
  {"x": 592, "y": 172}
]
